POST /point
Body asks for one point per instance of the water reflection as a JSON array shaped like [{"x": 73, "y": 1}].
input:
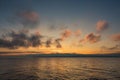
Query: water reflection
[{"x": 60, "y": 69}]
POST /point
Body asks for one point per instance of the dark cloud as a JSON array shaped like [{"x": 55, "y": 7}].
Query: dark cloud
[
  {"x": 35, "y": 40},
  {"x": 57, "y": 41},
  {"x": 101, "y": 25},
  {"x": 21, "y": 39},
  {"x": 16, "y": 39},
  {"x": 91, "y": 38},
  {"x": 115, "y": 37},
  {"x": 5, "y": 43},
  {"x": 49, "y": 42}
]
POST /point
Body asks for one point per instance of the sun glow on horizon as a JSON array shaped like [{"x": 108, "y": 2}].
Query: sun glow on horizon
[{"x": 57, "y": 27}]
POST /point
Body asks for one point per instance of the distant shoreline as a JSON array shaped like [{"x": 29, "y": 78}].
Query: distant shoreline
[{"x": 58, "y": 55}]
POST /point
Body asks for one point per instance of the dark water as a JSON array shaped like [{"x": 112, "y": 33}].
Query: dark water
[{"x": 60, "y": 69}]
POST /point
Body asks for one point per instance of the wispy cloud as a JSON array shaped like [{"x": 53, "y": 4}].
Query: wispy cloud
[
  {"x": 28, "y": 18},
  {"x": 29, "y": 15},
  {"x": 77, "y": 32},
  {"x": 55, "y": 26},
  {"x": 116, "y": 47},
  {"x": 115, "y": 37}
]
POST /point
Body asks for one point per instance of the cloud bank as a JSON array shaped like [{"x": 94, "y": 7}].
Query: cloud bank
[{"x": 16, "y": 39}]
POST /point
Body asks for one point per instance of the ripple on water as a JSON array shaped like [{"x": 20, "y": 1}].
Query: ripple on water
[{"x": 60, "y": 69}]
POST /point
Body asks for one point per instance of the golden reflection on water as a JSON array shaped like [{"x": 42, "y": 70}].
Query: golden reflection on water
[{"x": 60, "y": 68}]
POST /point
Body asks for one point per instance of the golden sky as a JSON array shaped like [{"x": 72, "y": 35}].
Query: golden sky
[{"x": 57, "y": 27}]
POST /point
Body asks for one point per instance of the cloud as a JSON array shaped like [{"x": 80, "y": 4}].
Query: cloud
[
  {"x": 22, "y": 38},
  {"x": 101, "y": 25},
  {"x": 49, "y": 42},
  {"x": 82, "y": 40},
  {"x": 57, "y": 41},
  {"x": 91, "y": 38},
  {"x": 77, "y": 32},
  {"x": 29, "y": 15},
  {"x": 115, "y": 37},
  {"x": 29, "y": 19},
  {"x": 35, "y": 40},
  {"x": 15, "y": 40},
  {"x": 54, "y": 26},
  {"x": 116, "y": 47},
  {"x": 5, "y": 43},
  {"x": 65, "y": 34}
]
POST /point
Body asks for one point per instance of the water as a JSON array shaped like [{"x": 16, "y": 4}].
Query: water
[{"x": 60, "y": 68}]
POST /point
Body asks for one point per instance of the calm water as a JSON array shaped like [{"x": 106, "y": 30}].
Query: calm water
[{"x": 60, "y": 69}]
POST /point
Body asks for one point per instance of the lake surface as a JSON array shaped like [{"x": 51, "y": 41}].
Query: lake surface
[{"x": 36, "y": 68}]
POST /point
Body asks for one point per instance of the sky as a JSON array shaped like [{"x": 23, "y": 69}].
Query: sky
[{"x": 60, "y": 26}]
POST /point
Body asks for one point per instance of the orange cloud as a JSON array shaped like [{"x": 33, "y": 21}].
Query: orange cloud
[
  {"x": 67, "y": 33},
  {"x": 115, "y": 37},
  {"x": 30, "y": 15},
  {"x": 101, "y": 25},
  {"x": 77, "y": 32},
  {"x": 91, "y": 38}
]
